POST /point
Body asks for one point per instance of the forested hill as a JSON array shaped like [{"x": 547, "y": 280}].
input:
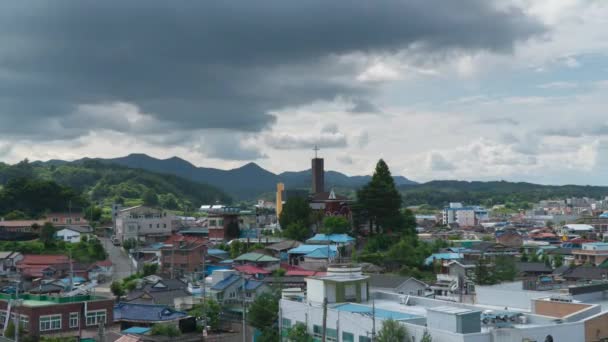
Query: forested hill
[
  {"x": 105, "y": 182},
  {"x": 440, "y": 193}
]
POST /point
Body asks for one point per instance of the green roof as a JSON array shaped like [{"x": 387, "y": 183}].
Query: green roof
[
  {"x": 256, "y": 257},
  {"x": 43, "y": 300}
]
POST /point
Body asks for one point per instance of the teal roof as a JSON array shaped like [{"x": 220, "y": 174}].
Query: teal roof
[
  {"x": 305, "y": 249},
  {"x": 442, "y": 256},
  {"x": 256, "y": 257},
  {"x": 335, "y": 238},
  {"x": 321, "y": 253},
  {"x": 379, "y": 313},
  {"x": 136, "y": 330}
]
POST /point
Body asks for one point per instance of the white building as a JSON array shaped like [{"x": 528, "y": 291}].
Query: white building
[
  {"x": 350, "y": 315},
  {"x": 142, "y": 221},
  {"x": 72, "y": 234},
  {"x": 577, "y": 229},
  {"x": 456, "y": 213}
]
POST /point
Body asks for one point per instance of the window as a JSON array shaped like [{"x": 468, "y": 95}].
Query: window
[
  {"x": 286, "y": 323},
  {"x": 331, "y": 335},
  {"x": 78, "y": 219},
  {"x": 96, "y": 317},
  {"x": 212, "y": 223},
  {"x": 350, "y": 292},
  {"x": 25, "y": 322},
  {"x": 68, "y": 220},
  {"x": 73, "y": 319},
  {"x": 150, "y": 225},
  {"x": 55, "y": 219},
  {"x": 220, "y": 223},
  {"x": 2, "y": 317},
  {"x": 364, "y": 339},
  {"x": 317, "y": 331},
  {"x": 157, "y": 225},
  {"x": 347, "y": 337},
  {"x": 50, "y": 322},
  {"x": 164, "y": 225}
]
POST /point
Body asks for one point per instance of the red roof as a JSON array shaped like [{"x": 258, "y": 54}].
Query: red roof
[
  {"x": 295, "y": 271},
  {"x": 187, "y": 238},
  {"x": 43, "y": 260},
  {"x": 250, "y": 269},
  {"x": 104, "y": 263}
]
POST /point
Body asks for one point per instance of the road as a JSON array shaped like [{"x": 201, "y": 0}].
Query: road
[{"x": 120, "y": 261}]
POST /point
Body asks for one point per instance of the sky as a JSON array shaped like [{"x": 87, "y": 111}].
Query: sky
[{"x": 470, "y": 89}]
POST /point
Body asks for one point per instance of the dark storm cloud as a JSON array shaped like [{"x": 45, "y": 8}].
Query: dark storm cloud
[{"x": 214, "y": 64}]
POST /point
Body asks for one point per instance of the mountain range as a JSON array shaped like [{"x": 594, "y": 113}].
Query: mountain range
[{"x": 245, "y": 182}]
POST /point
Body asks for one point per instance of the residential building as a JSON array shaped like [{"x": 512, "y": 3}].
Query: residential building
[
  {"x": 457, "y": 214},
  {"x": 509, "y": 238},
  {"x": 36, "y": 266},
  {"x": 101, "y": 270},
  {"x": 532, "y": 269},
  {"x": 229, "y": 288},
  {"x": 258, "y": 259},
  {"x": 351, "y": 315},
  {"x": 296, "y": 256},
  {"x": 67, "y": 219},
  {"x": 577, "y": 229},
  {"x": 169, "y": 292},
  {"x": 146, "y": 315},
  {"x": 181, "y": 255},
  {"x": 397, "y": 284},
  {"x": 20, "y": 226},
  {"x": 594, "y": 253},
  {"x": 8, "y": 261},
  {"x": 42, "y": 315},
  {"x": 220, "y": 221},
  {"x": 72, "y": 233},
  {"x": 279, "y": 249},
  {"x": 143, "y": 222}
]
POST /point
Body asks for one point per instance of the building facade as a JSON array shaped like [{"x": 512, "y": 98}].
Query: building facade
[
  {"x": 143, "y": 222},
  {"x": 463, "y": 216}
]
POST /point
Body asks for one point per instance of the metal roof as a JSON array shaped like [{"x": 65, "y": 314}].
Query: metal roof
[
  {"x": 305, "y": 249},
  {"x": 336, "y": 238},
  {"x": 146, "y": 313}
]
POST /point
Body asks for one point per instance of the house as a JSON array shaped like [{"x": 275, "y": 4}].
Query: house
[
  {"x": 72, "y": 234},
  {"x": 251, "y": 270},
  {"x": 585, "y": 273},
  {"x": 340, "y": 239},
  {"x": 532, "y": 269},
  {"x": 133, "y": 314},
  {"x": 217, "y": 255},
  {"x": 594, "y": 253},
  {"x": 67, "y": 219},
  {"x": 101, "y": 270},
  {"x": 297, "y": 255},
  {"x": 577, "y": 229},
  {"x": 42, "y": 315},
  {"x": 169, "y": 292},
  {"x": 227, "y": 288},
  {"x": 397, "y": 284},
  {"x": 509, "y": 238},
  {"x": 36, "y": 266},
  {"x": 8, "y": 261},
  {"x": 279, "y": 249},
  {"x": 182, "y": 255},
  {"x": 20, "y": 226},
  {"x": 143, "y": 222},
  {"x": 261, "y": 260},
  {"x": 439, "y": 257}
]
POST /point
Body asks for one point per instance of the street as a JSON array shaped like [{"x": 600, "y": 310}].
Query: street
[{"x": 120, "y": 262}]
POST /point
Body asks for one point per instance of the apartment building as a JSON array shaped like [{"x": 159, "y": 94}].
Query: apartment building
[
  {"x": 143, "y": 222},
  {"x": 463, "y": 216}
]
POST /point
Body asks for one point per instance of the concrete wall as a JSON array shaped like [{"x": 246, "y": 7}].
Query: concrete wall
[
  {"x": 509, "y": 295},
  {"x": 596, "y": 328},
  {"x": 557, "y": 309}
]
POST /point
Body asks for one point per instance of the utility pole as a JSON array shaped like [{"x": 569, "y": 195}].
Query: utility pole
[
  {"x": 244, "y": 311},
  {"x": 16, "y": 303},
  {"x": 71, "y": 271},
  {"x": 204, "y": 291},
  {"x": 324, "y": 318},
  {"x": 373, "y": 320}
]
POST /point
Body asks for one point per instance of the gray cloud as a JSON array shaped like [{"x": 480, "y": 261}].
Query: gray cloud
[
  {"x": 437, "y": 162},
  {"x": 361, "y": 106},
  {"x": 329, "y": 137},
  {"x": 498, "y": 121},
  {"x": 213, "y": 64}
]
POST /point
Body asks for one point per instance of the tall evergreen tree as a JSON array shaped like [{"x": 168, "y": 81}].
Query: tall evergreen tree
[{"x": 379, "y": 202}]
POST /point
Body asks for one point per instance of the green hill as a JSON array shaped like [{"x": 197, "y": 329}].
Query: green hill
[{"x": 102, "y": 182}]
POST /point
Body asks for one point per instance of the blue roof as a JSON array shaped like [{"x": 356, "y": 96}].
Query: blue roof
[
  {"x": 226, "y": 261},
  {"x": 380, "y": 313},
  {"x": 439, "y": 256},
  {"x": 136, "y": 330},
  {"x": 217, "y": 252},
  {"x": 604, "y": 215},
  {"x": 321, "y": 253},
  {"x": 146, "y": 313},
  {"x": 76, "y": 280},
  {"x": 305, "y": 249},
  {"x": 337, "y": 238},
  {"x": 222, "y": 285},
  {"x": 252, "y": 285}
]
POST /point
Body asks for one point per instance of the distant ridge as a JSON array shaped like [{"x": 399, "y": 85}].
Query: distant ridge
[{"x": 245, "y": 182}]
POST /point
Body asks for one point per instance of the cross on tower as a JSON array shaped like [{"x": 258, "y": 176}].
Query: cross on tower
[{"x": 316, "y": 149}]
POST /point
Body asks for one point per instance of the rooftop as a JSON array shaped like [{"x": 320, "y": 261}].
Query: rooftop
[
  {"x": 146, "y": 313},
  {"x": 380, "y": 313}
]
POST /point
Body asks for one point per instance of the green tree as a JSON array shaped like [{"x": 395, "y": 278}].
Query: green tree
[
  {"x": 296, "y": 209},
  {"x": 93, "y": 213},
  {"x": 426, "y": 337},
  {"x": 483, "y": 274},
  {"x": 212, "y": 312},
  {"x": 117, "y": 289},
  {"x": 150, "y": 269},
  {"x": 263, "y": 312},
  {"x": 379, "y": 202},
  {"x": 298, "y": 333},
  {"x": 336, "y": 225},
  {"x": 47, "y": 234},
  {"x": 297, "y": 231},
  {"x": 558, "y": 261},
  {"x": 149, "y": 198},
  {"x": 15, "y": 215},
  {"x": 392, "y": 331},
  {"x": 168, "y": 201},
  {"x": 504, "y": 268}
]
